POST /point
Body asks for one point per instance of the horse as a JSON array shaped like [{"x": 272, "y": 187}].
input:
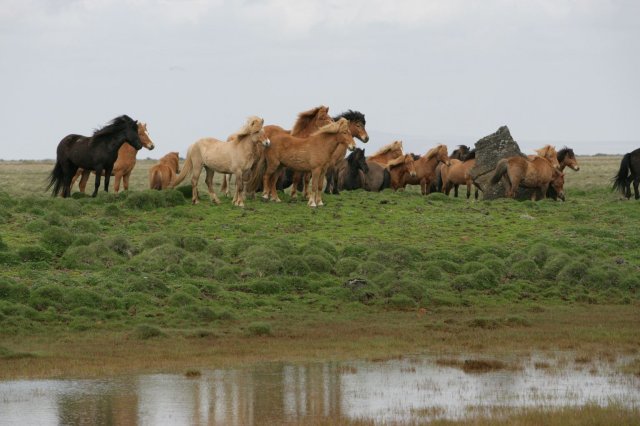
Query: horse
[
  {"x": 460, "y": 153},
  {"x": 357, "y": 124},
  {"x": 566, "y": 158},
  {"x": 387, "y": 153},
  {"x": 457, "y": 173},
  {"x": 629, "y": 172},
  {"x": 236, "y": 156},
  {"x": 97, "y": 152},
  {"x": 124, "y": 164},
  {"x": 377, "y": 178},
  {"x": 425, "y": 167},
  {"x": 348, "y": 171},
  {"x": 306, "y": 123},
  {"x": 162, "y": 173},
  {"x": 548, "y": 152},
  {"x": 399, "y": 168},
  {"x": 537, "y": 173},
  {"x": 312, "y": 154}
]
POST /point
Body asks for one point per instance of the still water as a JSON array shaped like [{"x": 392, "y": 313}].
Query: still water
[{"x": 395, "y": 390}]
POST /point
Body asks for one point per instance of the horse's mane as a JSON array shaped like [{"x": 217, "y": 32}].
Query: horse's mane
[
  {"x": 331, "y": 127},
  {"x": 470, "y": 155},
  {"x": 304, "y": 118},
  {"x": 390, "y": 147},
  {"x": 564, "y": 152},
  {"x": 355, "y": 152},
  {"x": 547, "y": 149},
  {"x": 351, "y": 115},
  {"x": 398, "y": 160},
  {"x": 416, "y": 156},
  {"x": 433, "y": 151},
  {"x": 116, "y": 125},
  {"x": 253, "y": 125}
]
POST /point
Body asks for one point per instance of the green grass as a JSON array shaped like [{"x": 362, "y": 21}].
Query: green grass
[{"x": 152, "y": 262}]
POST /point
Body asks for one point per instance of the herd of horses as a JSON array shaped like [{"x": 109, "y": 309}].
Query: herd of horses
[{"x": 270, "y": 158}]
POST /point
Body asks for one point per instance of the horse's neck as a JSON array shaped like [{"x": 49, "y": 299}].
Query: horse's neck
[{"x": 126, "y": 151}]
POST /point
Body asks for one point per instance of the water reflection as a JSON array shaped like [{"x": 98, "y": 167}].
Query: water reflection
[{"x": 399, "y": 390}]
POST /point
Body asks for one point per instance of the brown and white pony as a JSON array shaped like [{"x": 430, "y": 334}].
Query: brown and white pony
[
  {"x": 537, "y": 173},
  {"x": 426, "y": 168}
]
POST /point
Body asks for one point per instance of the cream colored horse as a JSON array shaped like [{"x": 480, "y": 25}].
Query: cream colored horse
[{"x": 236, "y": 156}]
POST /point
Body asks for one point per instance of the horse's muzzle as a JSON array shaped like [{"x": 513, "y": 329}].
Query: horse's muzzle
[
  {"x": 150, "y": 147},
  {"x": 366, "y": 139},
  {"x": 561, "y": 196},
  {"x": 266, "y": 142},
  {"x": 413, "y": 174}
]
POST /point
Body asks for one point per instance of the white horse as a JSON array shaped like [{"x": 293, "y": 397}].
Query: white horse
[{"x": 235, "y": 156}]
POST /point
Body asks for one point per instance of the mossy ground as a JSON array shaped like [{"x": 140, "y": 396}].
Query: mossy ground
[{"x": 379, "y": 271}]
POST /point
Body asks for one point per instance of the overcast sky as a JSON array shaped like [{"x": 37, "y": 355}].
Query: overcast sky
[{"x": 426, "y": 71}]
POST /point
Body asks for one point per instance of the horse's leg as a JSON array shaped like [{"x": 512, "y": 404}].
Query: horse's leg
[
  {"x": 224, "y": 187},
  {"x": 83, "y": 180},
  {"x": 636, "y": 183},
  {"x": 68, "y": 172},
  {"x": 209, "y": 181},
  {"x": 468, "y": 190},
  {"x": 116, "y": 182},
  {"x": 195, "y": 175},
  {"x": 315, "y": 176},
  {"x": 316, "y": 187},
  {"x": 294, "y": 185},
  {"x": 125, "y": 181},
  {"x": 273, "y": 189},
  {"x": 97, "y": 182},
  {"x": 107, "y": 177},
  {"x": 455, "y": 190},
  {"x": 75, "y": 177}
]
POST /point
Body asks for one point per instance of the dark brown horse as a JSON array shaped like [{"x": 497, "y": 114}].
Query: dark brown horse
[
  {"x": 629, "y": 172},
  {"x": 97, "y": 152},
  {"x": 537, "y": 173},
  {"x": 348, "y": 171}
]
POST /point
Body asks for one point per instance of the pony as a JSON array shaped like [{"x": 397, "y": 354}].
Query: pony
[
  {"x": 629, "y": 172},
  {"x": 236, "y": 156},
  {"x": 537, "y": 174},
  {"x": 348, "y": 170},
  {"x": 387, "y": 153},
  {"x": 357, "y": 124},
  {"x": 97, "y": 152},
  {"x": 376, "y": 178},
  {"x": 124, "y": 164},
  {"x": 457, "y": 173},
  {"x": 162, "y": 173},
  {"x": 306, "y": 123},
  {"x": 548, "y": 152},
  {"x": 460, "y": 152},
  {"x": 399, "y": 168},
  {"x": 312, "y": 154},
  {"x": 566, "y": 158},
  {"x": 425, "y": 168}
]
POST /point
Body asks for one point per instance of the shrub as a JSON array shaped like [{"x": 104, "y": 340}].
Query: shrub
[
  {"x": 539, "y": 253},
  {"x": 346, "y": 266},
  {"x": 262, "y": 261},
  {"x": 259, "y": 329},
  {"x": 401, "y": 302},
  {"x": 485, "y": 279},
  {"x": 33, "y": 254},
  {"x": 120, "y": 245},
  {"x": 471, "y": 267},
  {"x": 150, "y": 199},
  {"x": 431, "y": 272},
  {"x": 89, "y": 226},
  {"x": 572, "y": 273},
  {"x": 48, "y": 295},
  {"x": 144, "y": 331},
  {"x": 78, "y": 297},
  {"x": 524, "y": 269},
  {"x": 370, "y": 269},
  {"x": 166, "y": 257},
  {"x": 148, "y": 284},
  {"x": 317, "y": 250},
  {"x": 3, "y": 245},
  {"x": 95, "y": 256},
  {"x": 8, "y": 258},
  {"x": 56, "y": 239},
  {"x": 553, "y": 266},
  {"x": 355, "y": 250},
  {"x": 193, "y": 243},
  {"x": 463, "y": 282},
  {"x": 318, "y": 263},
  {"x": 11, "y": 290},
  {"x": 156, "y": 240},
  {"x": 181, "y": 298},
  {"x": 84, "y": 239},
  {"x": 295, "y": 266},
  {"x": 267, "y": 287}
]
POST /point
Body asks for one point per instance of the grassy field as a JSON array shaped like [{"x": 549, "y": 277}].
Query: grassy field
[{"x": 144, "y": 281}]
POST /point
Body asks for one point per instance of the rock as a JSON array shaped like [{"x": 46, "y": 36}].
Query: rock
[{"x": 490, "y": 150}]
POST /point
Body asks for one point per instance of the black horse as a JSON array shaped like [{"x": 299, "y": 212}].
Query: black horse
[
  {"x": 348, "y": 170},
  {"x": 97, "y": 153},
  {"x": 629, "y": 172},
  {"x": 357, "y": 119}
]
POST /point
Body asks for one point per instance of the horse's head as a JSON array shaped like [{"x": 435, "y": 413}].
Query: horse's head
[
  {"x": 549, "y": 152},
  {"x": 143, "y": 133},
  {"x": 442, "y": 155},
  {"x": 344, "y": 134},
  {"x": 567, "y": 158},
  {"x": 557, "y": 183},
  {"x": 131, "y": 131},
  {"x": 358, "y": 161},
  {"x": 357, "y": 124},
  {"x": 410, "y": 164},
  {"x": 460, "y": 152},
  {"x": 254, "y": 128}
]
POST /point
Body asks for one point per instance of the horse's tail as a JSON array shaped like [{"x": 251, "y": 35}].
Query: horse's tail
[
  {"x": 155, "y": 180},
  {"x": 439, "y": 182},
  {"x": 386, "y": 179},
  {"x": 56, "y": 178},
  {"x": 501, "y": 170},
  {"x": 620, "y": 180},
  {"x": 256, "y": 173},
  {"x": 187, "y": 167}
]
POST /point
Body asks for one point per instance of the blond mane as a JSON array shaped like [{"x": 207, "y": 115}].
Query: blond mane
[
  {"x": 434, "y": 151},
  {"x": 547, "y": 151},
  {"x": 390, "y": 147},
  {"x": 306, "y": 117},
  {"x": 253, "y": 125},
  {"x": 398, "y": 160},
  {"x": 334, "y": 127}
]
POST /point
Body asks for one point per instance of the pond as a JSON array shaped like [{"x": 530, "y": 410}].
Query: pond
[{"x": 410, "y": 389}]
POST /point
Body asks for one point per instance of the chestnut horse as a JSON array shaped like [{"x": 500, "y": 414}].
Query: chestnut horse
[
  {"x": 387, "y": 153},
  {"x": 425, "y": 167},
  {"x": 312, "y": 154},
  {"x": 162, "y": 173},
  {"x": 124, "y": 164},
  {"x": 548, "y": 152},
  {"x": 457, "y": 173},
  {"x": 307, "y": 123},
  {"x": 537, "y": 173},
  {"x": 236, "y": 156},
  {"x": 566, "y": 158},
  {"x": 399, "y": 168}
]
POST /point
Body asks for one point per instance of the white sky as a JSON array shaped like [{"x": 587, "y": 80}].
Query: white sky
[{"x": 426, "y": 71}]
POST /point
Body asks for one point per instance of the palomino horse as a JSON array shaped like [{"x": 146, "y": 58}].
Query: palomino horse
[
  {"x": 399, "y": 168},
  {"x": 97, "y": 152},
  {"x": 312, "y": 154},
  {"x": 548, "y": 152},
  {"x": 537, "y": 173},
  {"x": 348, "y": 170},
  {"x": 307, "y": 123},
  {"x": 124, "y": 164},
  {"x": 162, "y": 173},
  {"x": 387, "y": 153},
  {"x": 457, "y": 173},
  {"x": 236, "y": 156},
  {"x": 425, "y": 167},
  {"x": 629, "y": 172}
]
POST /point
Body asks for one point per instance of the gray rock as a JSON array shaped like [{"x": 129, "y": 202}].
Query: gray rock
[{"x": 490, "y": 150}]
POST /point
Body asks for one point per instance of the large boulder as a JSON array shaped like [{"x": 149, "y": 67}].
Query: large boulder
[{"x": 490, "y": 150}]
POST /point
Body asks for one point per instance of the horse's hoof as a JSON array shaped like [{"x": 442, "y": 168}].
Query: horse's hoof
[{"x": 320, "y": 204}]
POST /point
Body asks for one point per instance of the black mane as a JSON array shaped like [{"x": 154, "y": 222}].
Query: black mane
[
  {"x": 564, "y": 152},
  {"x": 355, "y": 153},
  {"x": 469, "y": 155},
  {"x": 117, "y": 124},
  {"x": 351, "y": 115}
]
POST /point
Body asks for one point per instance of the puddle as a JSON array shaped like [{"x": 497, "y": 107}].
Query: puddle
[{"x": 396, "y": 390}]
